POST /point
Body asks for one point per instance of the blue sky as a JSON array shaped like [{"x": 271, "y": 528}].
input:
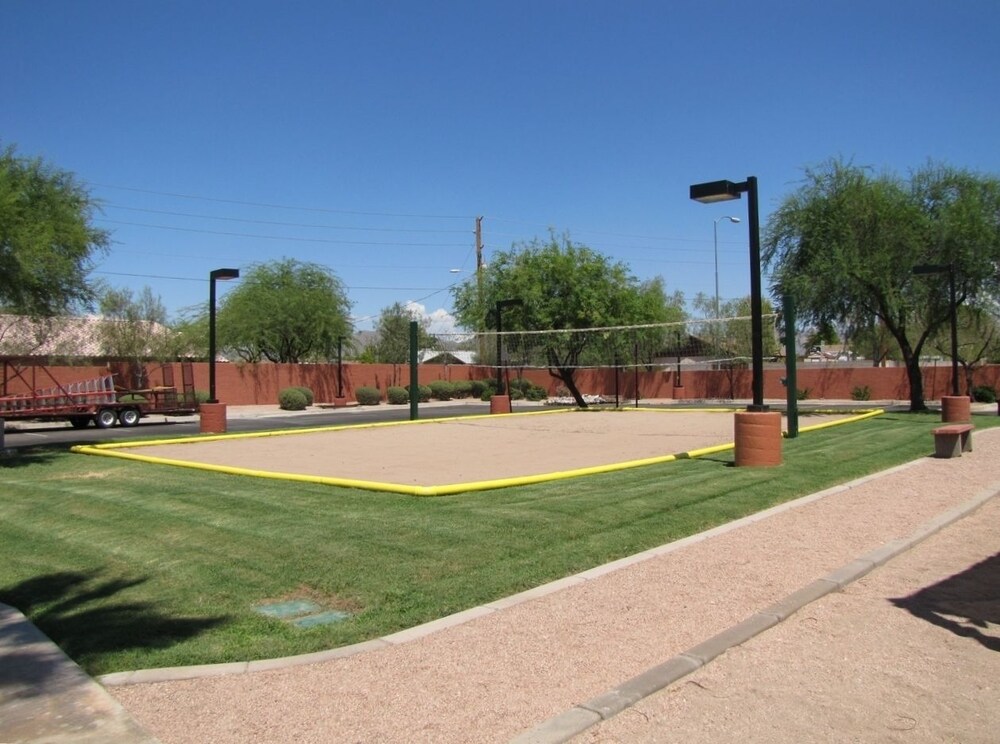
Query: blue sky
[{"x": 367, "y": 136}]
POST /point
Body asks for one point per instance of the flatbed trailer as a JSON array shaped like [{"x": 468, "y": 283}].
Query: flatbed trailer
[{"x": 96, "y": 400}]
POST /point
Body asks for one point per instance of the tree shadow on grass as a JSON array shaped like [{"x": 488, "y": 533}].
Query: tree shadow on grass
[
  {"x": 966, "y": 604},
  {"x": 25, "y": 456},
  {"x": 79, "y": 612}
]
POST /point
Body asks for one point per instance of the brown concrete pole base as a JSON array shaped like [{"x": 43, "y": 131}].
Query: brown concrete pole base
[
  {"x": 500, "y": 404},
  {"x": 678, "y": 392},
  {"x": 758, "y": 438},
  {"x": 213, "y": 418},
  {"x": 339, "y": 402},
  {"x": 956, "y": 408}
]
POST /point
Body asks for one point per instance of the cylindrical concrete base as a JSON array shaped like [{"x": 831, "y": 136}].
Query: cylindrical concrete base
[
  {"x": 956, "y": 408},
  {"x": 500, "y": 404},
  {"x": 213, "y": 418},
  {"x": 678, "y": 392},
  {"x": 339, "y": 402},
  {"x": 758, "y": 438}
]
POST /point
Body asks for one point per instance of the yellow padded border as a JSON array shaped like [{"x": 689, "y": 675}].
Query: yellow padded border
[{"x": 113, "y": 449}]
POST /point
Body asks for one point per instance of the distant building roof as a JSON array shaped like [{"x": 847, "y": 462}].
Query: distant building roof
[
  {"x": 69, "y": 336},
  {"x": 435, "y": 356}
]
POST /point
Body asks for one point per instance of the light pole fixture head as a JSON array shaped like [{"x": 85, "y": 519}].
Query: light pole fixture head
[
  {"x": 224, "y": 274},
  {"x": 931, "y": 268},
  {"x": 716, "y": 191}
]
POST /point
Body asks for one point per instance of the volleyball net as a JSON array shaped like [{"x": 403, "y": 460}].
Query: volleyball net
[{"x": 700, "y": 343}]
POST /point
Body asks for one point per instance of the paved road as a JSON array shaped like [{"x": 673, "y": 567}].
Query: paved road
[{"x": 240, "y": 419}]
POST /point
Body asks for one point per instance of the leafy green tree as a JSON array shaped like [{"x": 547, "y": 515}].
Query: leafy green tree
[
  {"x": 134, "y": 327},
  {"x": 563, "y": 285},
  {"x": 845, "y": 245},
  {"x": 392, "y": 343},
  {"x": 978, "y": 341},
  {"x": 47, "y": 239},
  {"x": 284, "y": 311}
]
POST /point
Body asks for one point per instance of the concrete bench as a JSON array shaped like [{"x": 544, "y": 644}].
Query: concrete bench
[{"x": 952, "y": 440}]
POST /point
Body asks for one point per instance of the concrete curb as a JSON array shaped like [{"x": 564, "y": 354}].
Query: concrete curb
[
  {"x": 576, "y": 720},
  {"x": 170, "y": 674},
  {"x": 46, "y": 697}
]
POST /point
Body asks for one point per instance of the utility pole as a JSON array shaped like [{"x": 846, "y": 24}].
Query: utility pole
[{"x": 481, "y": 350}]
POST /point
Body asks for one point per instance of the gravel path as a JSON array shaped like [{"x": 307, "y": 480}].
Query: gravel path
[{"x": 496, "y": 676}]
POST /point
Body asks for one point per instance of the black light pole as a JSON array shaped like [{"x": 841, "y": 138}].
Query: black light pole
[
  {"x": 340, "y": 366},
  {"x": 501, "y": 304},
  {"x": 717, "y": 191},
  {"x": 216, "y": 275},
  {"x": 953, "y": 311}
]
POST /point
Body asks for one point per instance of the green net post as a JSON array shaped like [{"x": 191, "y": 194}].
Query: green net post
[
  {"x": 414, "y": 377},
  {"x": 791, "y": 386}
]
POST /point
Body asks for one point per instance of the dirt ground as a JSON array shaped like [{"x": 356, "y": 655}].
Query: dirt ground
[{"x": 467, "y": 450}]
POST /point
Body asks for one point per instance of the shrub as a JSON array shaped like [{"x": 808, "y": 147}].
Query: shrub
[
  {"x": 984, "y": 394},
  {"x": 442, "y": 389},
  {"x": 132, "y": 398},
  {"x": 201, "y": 396},
  {"x": 536, "y": 392},
  {"x": 291, "y": 399},
  {"x": 423, "y": 392},
  {"x": 461, "y": 388},
  {"x": 308, "y": 393},
  {"x": 479, "y": 387},
  {"x": 398, "y": 395},
  {"x": 802, "y": 393},
  {"x": 522, "y": 388},
  {"x": 368, "y": 396},
  {"x": 862, "y": 392}
]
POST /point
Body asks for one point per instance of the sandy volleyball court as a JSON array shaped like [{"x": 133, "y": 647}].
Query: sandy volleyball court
[{"x": 464, "y": 450}]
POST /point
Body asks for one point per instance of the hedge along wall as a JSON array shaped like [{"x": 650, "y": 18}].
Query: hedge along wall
[{"x": 258, "y": 384}]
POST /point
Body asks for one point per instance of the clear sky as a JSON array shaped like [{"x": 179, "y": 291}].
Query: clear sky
[{"x": 366, "y": 136}]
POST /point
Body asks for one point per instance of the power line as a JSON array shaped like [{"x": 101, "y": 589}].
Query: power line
[
  {"x": 280, "y": 206},
  {"x": 201, "y": 279},
  {"x": 283, "y": 224},
  {"x": 281, "y": 237}
]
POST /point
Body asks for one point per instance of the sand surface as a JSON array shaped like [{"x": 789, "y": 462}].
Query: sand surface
[{"x": 464, "y": 450}]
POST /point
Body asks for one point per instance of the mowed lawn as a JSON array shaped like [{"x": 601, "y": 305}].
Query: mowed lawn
[{"x": 129, "y": 565}]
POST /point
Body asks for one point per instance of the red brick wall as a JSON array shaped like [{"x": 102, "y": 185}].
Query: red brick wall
[{"x": 248, "y": 384}]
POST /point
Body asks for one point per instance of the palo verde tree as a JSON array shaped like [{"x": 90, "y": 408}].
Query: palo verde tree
[
  {"x": 846, "y": 243},
  {"x": 47, "y": 238},
  {"x": 135, "y": 328},
  {"x": 284, "y": 311},
  {"x": 392, "y": 335},
  {"x": 561, "y": 285}
]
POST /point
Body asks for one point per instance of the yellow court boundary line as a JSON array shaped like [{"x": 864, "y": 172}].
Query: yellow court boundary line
[{"x": 112, "y": 450}]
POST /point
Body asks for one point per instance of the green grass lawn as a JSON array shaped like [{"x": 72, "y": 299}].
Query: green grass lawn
[{"x": 128, "y": 565}]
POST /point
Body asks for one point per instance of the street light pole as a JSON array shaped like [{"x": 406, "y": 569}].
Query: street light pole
[
  {"x": 214, "y": 276},
  {"x": 716, "y": 191},
  {"x": 715, "y": 230}
]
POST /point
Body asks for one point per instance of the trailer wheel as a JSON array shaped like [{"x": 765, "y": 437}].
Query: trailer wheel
[
  {"x": 79, "y": 422},
  {"x": 105, "y": 418},
  {"x": 128, "y": 416}
]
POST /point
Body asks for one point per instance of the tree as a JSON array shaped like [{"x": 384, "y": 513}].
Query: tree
[
  {"x": 284, "y": 311},
  {"x": 47, "y": 240},
  {"x": 561, "y": 285},
  {"x": 135, "y": 328},
  {"x": 845, "y": 244},
  {"x": 978, "y": 341},
  {"x": 392, "y": 344}
]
